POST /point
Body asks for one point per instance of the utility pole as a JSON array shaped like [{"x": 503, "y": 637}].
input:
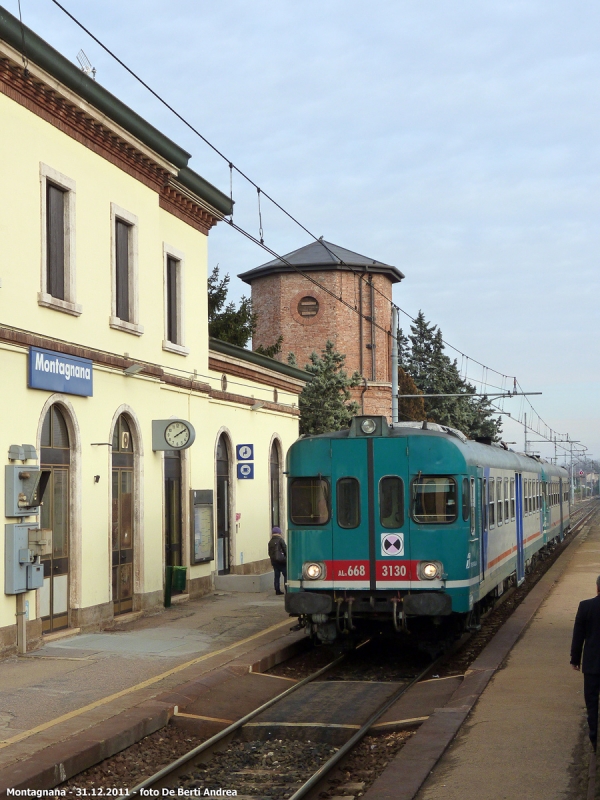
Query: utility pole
[{"x": 525, "y": 428}]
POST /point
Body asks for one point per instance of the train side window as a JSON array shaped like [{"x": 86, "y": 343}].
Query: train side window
[
  {"x": 537, "y": 496},
  {"x": 466, "y": 501},
  {"x": 391, "y": 501},
  {"x": 506, "y": 501},
  {"x": 492, "y": 504},
  {"x": 348, "y": 503},
  {"x": 472, "y": 506},
  {"x": 499, "y": 499},
  {"x": 527, "y": 487},
  {"x": 434, "y": 499},
  {"x": 512, "y": 498},
  {"x": 309, "y": 501}
]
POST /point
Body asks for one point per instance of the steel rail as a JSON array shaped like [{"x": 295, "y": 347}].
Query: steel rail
[
  {"x": 361, "y": 733},
  {"x": 325, "y": 768},
  {"x": 209, "y": 743}
]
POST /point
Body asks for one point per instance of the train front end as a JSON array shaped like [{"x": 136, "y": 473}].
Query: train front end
[{"x": 380, "y": 531}]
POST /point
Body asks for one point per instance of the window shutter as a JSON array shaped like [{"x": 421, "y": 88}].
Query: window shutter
[
  {"x": 172, "y": 300},
  {"x": 122, "y": 269},
  {"x": 55, "y": 241}
]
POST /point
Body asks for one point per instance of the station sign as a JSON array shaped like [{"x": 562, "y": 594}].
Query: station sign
[
  {"x": 245, "y": 471},
  {"x": 57, "y": 372},
  {"x": 245, "y": 452}
]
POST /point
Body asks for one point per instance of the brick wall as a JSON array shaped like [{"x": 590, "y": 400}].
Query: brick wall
[{"x": 276, "y": 299}]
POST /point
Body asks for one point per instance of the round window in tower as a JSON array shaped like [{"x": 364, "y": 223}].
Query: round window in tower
[{"x": 308, "y": 307}]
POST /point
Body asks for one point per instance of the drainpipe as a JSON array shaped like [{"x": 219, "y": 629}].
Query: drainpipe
[
  {"x": 372, "y": 327},
  {"x": 21, "y": 624},
  {"x": 394, "y": 364}
]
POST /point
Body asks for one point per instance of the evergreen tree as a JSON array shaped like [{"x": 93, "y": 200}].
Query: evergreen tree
[
  {"x": 433, "y": 372},
  {"x": 409, "y": 409},
  {"x": 226, "y": 322},
  {"x": 272, "y": 350},
  {"x": 325, "y": 401}
]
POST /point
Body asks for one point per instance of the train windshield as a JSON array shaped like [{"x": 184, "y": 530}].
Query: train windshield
[
  {"x": 309, "y": 501},
  {"x": 434, "y": 499}
]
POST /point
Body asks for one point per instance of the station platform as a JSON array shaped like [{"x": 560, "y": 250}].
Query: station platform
[
  {"x": 83, "y": 697},
  {"x": 516, "y": 728}
]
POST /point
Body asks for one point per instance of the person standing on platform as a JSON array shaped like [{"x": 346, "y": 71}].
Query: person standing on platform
[
  {"x": 586, "y": 638},
  {"x": 278, "y": 556}
]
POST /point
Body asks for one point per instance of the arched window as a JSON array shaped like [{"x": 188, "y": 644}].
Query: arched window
[
  {"x": 223, "y": 521},
  {"x": 122, "y": 517},
  {"x": 54, "y": 517},
  {"x": 274, "y": 469}
]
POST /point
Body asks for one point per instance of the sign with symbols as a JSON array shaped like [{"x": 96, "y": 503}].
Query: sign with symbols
[
  {"x": 245, "y": 452},
  {"x": 392, "y": 544},
  {"x": 581, "y": 472},
  {"x": 245, "y": 472}
]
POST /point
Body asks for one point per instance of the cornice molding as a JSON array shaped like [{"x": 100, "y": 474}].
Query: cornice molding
[{"x": 54, "y": 106}]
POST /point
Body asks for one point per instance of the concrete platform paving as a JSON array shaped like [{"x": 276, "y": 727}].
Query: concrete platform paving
[
  {"x": 524, "y": 737},
  {"x": 74, "y": 685}
]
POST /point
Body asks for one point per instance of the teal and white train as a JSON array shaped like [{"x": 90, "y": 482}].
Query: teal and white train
[{"x": 412, "y": 525}]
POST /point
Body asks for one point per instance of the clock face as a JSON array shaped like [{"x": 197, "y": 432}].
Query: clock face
[{"x": 177, "y": 434}]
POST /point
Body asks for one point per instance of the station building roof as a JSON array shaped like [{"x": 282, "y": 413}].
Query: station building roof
[{"x": 39, "y": 52}]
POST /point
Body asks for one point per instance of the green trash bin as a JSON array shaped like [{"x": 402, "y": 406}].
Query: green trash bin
[{"x": 179, "y": 578}]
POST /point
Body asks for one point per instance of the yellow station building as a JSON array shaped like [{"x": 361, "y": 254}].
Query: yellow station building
[{"x": 160, "y": 448}]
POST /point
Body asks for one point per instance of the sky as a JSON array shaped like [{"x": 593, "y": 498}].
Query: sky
[{"x": 456, "y": 141}]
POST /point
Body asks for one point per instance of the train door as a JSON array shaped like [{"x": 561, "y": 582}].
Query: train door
[
  {"x": 478, "y": 515},
  {"x": 519, "y": 521},
  {"x": 561, "y": 489},
  {"x": 392, "y": 566},
  {"x": 351, "y": 514}
]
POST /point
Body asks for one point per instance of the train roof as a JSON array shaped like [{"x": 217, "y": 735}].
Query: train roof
[{"x": 493, "y": 454}]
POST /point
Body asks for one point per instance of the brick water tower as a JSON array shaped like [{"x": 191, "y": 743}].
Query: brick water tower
[{"x": 292, "y": 306}]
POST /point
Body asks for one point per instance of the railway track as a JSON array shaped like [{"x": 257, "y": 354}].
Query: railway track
[
  {"x": 189, "y": 775},
  {"x": 244, "y": 757}
]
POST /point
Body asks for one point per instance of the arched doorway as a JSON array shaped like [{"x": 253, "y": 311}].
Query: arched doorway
[
  {"x": 122, "y": 517},
  {"x": 275, "y": 480},
  {"x": 223, "y": 521},
  {"x": 55, "y": 513}
]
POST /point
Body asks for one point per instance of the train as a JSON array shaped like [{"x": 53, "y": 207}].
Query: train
[{"x": 411, "y": 527}]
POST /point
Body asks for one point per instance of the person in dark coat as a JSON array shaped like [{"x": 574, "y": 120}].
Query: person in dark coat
[
  {"x": 278, "y": 556},
  {"x": 586, "y": 638}
]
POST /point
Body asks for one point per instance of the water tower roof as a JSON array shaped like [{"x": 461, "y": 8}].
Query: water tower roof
[{"x": 319, "y": 256}]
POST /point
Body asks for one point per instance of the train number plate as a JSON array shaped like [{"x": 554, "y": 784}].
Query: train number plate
[
  {"x": 397, "y": 571},
  {"x": 349, "y": 570}
]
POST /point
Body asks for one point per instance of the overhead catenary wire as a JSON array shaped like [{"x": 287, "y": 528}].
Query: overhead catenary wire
[{"x": 290, "y": 216}]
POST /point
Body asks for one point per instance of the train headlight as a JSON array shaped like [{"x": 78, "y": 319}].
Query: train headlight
[
  {"x": 368, "y": 425},
  {"x": 430, "y": 570},
  {"x": 313, "y": 571}
]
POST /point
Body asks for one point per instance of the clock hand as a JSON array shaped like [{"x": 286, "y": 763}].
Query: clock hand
[{"x": 180, "y": 433}]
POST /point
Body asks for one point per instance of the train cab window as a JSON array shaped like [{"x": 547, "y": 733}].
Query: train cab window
[
  {"x": 512, "y": 498},
  {"x": 348, "y": 503},
  {"x": 391, "y": 502},
  {"x": 309, "y": 501},
  {"x": 506, "y": 501},
  {"x": 492, "y": 504},
  {"x": 499, "y": 499},
  {"x": 466, "y": 501},
  {"x": 434, "y": 499}
]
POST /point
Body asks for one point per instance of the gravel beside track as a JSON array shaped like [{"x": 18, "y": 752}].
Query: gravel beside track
[
  {"x": 271, "y": 770},
  {"x": 275, "y": 770}
]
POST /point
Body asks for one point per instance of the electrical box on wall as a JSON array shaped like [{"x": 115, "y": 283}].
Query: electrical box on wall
[
  {"x": 24, "y": 489},
  {"x": 22, "y": 568}
]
